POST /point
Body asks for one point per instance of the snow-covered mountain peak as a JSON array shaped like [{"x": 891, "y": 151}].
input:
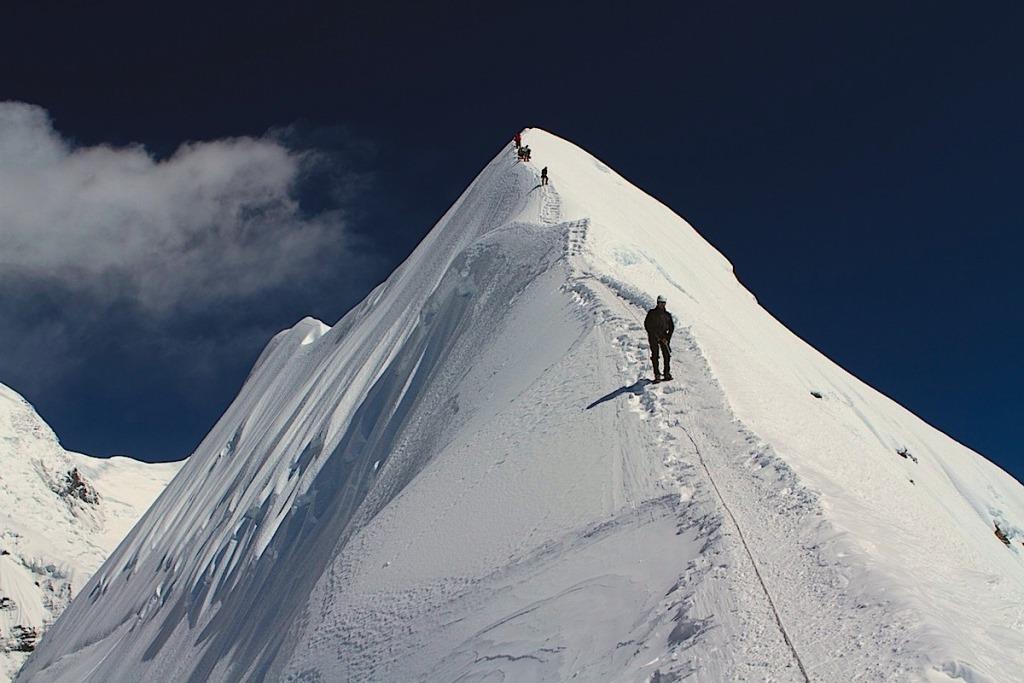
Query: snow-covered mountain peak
[
  {"x": 19, "y": 420},
  {"x": 469, "y": 476},
  {"x": 32, "y": 452},
  {"x": 61, "y": 514}
]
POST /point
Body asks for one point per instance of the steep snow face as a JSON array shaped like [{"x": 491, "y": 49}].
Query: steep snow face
[
  {"x": 61, "y": 515},
  {"x": 903, "y": 499},
  {"x": 469, "y": 478}
]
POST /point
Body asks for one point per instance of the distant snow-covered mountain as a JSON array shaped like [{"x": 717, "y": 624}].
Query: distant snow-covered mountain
[
  {"x": 61, "y": 515},
  {"x": 470, "y": 478}
]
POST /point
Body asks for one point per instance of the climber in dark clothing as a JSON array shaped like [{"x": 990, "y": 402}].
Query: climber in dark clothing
[
  {"x": 659, "y": 328},
  {"x": 544, "y": 176}
]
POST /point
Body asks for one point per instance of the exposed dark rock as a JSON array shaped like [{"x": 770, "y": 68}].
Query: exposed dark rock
[
  {"x": 904, "y": 453},
  {"x": 659, "y": 677},
  {"x": 24, "y": 638},
  {"x": 816, "y": 394},
  {"x": 76, "y": 486}
]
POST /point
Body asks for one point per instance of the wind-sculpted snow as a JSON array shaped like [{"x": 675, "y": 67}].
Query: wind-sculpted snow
[{"x": 469, "y": 478}]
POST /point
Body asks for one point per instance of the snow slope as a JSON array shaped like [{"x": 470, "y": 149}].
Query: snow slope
[
  {"x": 468, "y": 478},
  {"x": 53, "y": 536}
]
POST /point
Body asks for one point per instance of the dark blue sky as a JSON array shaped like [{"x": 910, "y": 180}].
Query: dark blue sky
[{"x": 859, "y": 166}]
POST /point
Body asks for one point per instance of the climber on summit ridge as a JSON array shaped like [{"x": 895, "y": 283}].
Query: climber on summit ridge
[{"x": 659, "y": 326}]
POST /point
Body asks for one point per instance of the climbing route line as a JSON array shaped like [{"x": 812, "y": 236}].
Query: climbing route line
[
  {"x": 739, "y": 534},
  {"x": 750, "y": 554},
  {"x": 550, "y": 212}
]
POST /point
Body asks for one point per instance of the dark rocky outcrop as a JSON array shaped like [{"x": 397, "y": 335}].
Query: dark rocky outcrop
[
  {"x": 75, "y": 485},
  {"x": 23, "y": 638}
]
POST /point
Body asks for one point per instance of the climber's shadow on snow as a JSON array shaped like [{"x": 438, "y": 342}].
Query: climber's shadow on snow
[{"x": 636, "y": 388}]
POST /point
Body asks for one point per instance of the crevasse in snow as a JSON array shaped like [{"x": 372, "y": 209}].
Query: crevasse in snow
[{"x": 468, "y": 477}]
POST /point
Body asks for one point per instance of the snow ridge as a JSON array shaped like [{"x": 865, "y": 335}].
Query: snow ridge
[
  {"x": 617, "y": 304},
  {"x": 468, "y": 477}
]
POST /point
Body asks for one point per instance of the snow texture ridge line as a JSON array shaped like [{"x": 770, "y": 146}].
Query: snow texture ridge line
[
  {"x": 575, "y": 243},
  {"x": 624, "y": 293},
  {"x": 712, "y": 425},
  {"x": 743, "y": 541},
  {"x": 753, "y": 562}
]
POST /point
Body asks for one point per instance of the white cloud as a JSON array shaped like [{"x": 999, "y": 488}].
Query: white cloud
[{"x": 214, "y": 223}]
